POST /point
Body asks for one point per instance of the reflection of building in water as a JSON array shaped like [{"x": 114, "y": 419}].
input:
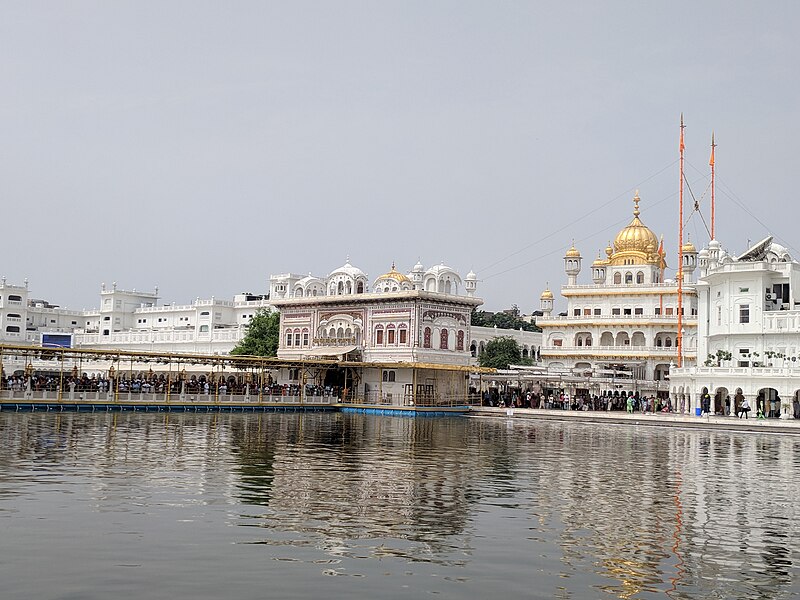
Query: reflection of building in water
[
  {"x": 646, "y": 507},
  {"x": 356, "y": 476}
]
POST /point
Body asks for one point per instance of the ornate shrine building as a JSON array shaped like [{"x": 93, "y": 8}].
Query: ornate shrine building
[{"x": 620, "y": 332}]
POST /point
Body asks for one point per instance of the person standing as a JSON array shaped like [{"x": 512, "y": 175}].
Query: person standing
[{"x": 745, "y": 408}]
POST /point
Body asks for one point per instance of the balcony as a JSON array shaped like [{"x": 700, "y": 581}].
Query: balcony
[
  {"x": 781, "y": 321},
  {"x": 688, "y": 320},
  {"x": 617, "y": 351}
]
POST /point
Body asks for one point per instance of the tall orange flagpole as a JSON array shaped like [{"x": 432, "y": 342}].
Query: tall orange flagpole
[
  {"x": 711, "y": 163},
  {"x": 680, "y": 257}
]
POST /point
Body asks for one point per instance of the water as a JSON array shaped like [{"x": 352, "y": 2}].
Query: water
[{"x": 131, "y": 505}]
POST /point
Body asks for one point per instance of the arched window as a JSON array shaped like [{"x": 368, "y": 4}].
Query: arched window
[
  {"x": 296, "y": 337},
  {"x": 444, "y": 338},
  {"x": 403, "y": 335},
  {"x": 14, "y": 298},
  {"x": 360, "y": 287},
  {"x": 628, "y": 277},
  {"x": 473, "y": 349},
  {"x": 12, "y": 329},
  {"x": 349, "y": 288},
  {"x": 427, "y": 338},
  {"x": 448, "y": 288},
  {"x": 658, "y": 342},
  {"x": 340, "y": 288},
  {"x": 460, "y": 341},
  {"x": 305, "y": 337},
  {"x": 668, "y": 342},
  {"x": 340, "y": 332},
  {"x": 390, "y": 335},
  {"x": 379, "y": 335},
  {"x": 639, "y": 277},
  {"x": 617, "y": 277},
  {"x": 288, "y": 337},
  {"x": 205, "y": 313}
]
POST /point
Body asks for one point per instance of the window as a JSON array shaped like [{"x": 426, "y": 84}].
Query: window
[
  {"x": 403, "y": 336},
  {"x": 744, "y": 290},
  {"x": 389, "y": 376},
  {"x": 576, "y": 312},
  {"x": 617, "y": 278},
  {"x": 460, "y": 340},
  {"x": 719, "y": 315},
  {"x": 587, "y": 312},
  {"x": 669, "y": 310},
  {"x": 744, "y": 313},
  {"x": 288, "y": 338},
  {"x": 639, "y": 277},
  {"x": 426, "y": 343},
  {"x": 74, "y": 322},
  {"x": 17, "y": 316},
  {"x": 628, "y": 277},
  {"x": 203, "y": 328},
  {"x": 305, "y": 338},
  {"x": 615, "y": 311},
  {"x": 444, "y": 339},
  {"x": 379, "y": 337},
  {"x": 626, "y": 312},
  {"x": 390, "y": 336},
  {"x": 658, "y": 310},
  {"x": 205, "y": 313},
  {"x": 638, "y": 311},
  {"x": 296, "y": 337},
  {"x": 597, "y": 312},
  {"x": 557, "y": 343},
  {"x": 12, "y": 329}
]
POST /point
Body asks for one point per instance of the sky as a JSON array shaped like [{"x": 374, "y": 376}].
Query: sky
[{"x": 202, "y": 146}]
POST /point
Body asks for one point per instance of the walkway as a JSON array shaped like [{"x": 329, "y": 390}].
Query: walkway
[{"x": 657, "y": 420}]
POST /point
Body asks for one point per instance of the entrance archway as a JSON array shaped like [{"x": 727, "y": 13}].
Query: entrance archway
[
  {"x": 719, "y": 401},
  {"x": 768, "y": 403}
]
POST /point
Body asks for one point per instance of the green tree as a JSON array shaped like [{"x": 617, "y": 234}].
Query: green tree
[
  {"x": 501, "y": 352},
  {"x": 263, "y": 334},
  {"x": 503, "y": 320}
]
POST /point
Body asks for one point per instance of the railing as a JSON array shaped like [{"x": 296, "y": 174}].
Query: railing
[
  {"x": 156, "y": 337},
  {"x": 434, "y": 400},
  {"x": 620, "y": 350},
  {"x": 792, "y": 371},
  {"x": 690, "y": 320},
  {"x": 54, "y": 394},
  {"x": 781, "y": 321}
]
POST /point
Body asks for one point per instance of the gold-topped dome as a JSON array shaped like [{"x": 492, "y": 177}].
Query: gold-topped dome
[
  {"x": 636, "y": 237},
  {"x": 547, "y": 294},
  {"x": 599, "y": 261},
  {"x": 572, "y": 252},
  {"x": 688, "y": 246},
  {"x": 394, "y": 274}
]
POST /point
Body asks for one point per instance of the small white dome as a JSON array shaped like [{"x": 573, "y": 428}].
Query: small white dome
[
  {"x": 348, "y": 269},
  {"x": 418, "y": 268},
  {"x": 471, "y": 276}
]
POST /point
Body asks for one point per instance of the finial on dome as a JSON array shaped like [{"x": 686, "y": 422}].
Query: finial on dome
[
  {"x": 393, "y": 268},
  {"x": 636, "y": 204}
]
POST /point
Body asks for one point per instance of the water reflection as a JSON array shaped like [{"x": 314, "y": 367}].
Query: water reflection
[{"x": 585, "y": 511}]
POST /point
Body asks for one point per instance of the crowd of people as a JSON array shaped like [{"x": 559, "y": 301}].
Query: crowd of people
[
  {"x": 153, "y": 383},
  {"x": 559, "y": 400}
]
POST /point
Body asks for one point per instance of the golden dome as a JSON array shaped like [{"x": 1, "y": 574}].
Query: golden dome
[
  {"x": 598, "y": 262},
  {"x": 572, "y": 252},
  {"x": 394, "y": 274},
  {"x": 546, "y": 295},
  {"x": 636, "y": 237},
  {"x": 688, "y": 246}
]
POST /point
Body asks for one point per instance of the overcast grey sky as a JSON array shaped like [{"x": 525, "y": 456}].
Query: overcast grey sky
[{"x": 202, "y": 146}]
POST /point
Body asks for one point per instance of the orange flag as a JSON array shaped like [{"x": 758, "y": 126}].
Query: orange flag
[{"x": 713, "y": 145}]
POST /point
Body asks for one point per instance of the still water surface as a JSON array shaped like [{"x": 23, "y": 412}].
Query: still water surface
[{"x": 131, "y": 505}]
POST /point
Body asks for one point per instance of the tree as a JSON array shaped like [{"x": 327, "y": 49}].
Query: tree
[
  {"x": 263, "y": 335},
  {"x": 502, "y": 320},
  {"x": 501, "y": 352}
]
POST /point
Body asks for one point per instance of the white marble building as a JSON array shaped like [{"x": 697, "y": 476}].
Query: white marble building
[
  {"x": 623, "y": 326},
  {"x": 749, "y": 331}
]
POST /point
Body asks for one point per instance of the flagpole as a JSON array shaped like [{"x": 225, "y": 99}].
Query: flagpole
[
  {"x": 711, "y": 162},
  {"x": 680, "y": 256}
]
